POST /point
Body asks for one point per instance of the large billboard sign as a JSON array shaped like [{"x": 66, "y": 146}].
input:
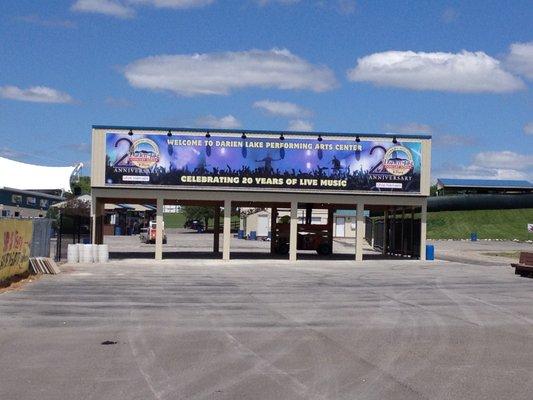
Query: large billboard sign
[{"x": 266, "y": 162}]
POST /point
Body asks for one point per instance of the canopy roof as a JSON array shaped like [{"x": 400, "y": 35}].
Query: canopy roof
[
  {"x": 485, "y": 183},
  {"x": 22, "y": 176}
]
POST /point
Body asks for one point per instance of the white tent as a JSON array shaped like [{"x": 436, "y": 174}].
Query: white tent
[{"x": 22, "y": 176}]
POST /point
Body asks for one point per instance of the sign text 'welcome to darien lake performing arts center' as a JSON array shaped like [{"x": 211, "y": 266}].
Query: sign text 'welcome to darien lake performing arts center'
[{"x": 225, "y": 161}]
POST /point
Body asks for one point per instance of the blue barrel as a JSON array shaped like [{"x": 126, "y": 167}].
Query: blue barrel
[
  {"x": 430, "y": 252},
  {"x": 473, "y": 237},
  {"x": 253, "y": 235},
  {"x": 240, "y": 234},
  {"x": 118, "y": 231}
]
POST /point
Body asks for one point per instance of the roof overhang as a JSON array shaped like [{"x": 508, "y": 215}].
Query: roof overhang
[{"x": 390, "y": 135}]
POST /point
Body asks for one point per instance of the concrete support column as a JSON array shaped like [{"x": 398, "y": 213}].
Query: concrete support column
[
  {"x": 293, "y": 237},
  {"x": 359, "y": 232},
  {"x": 423, "y": 220},
  {"x": 97, "y": 223},
  {"x": 227, "y": 231},
  {"x": 159, "y": 229},
  {"x": 216, "y": 230}
]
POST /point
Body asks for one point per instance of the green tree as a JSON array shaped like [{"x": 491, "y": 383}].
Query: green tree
[
  {"x": 199, "y": 213},
  {"x": 84, "y": 185}
]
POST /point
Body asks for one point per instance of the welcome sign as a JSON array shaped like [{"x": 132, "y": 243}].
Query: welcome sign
[{"x": 273, "y": 163}]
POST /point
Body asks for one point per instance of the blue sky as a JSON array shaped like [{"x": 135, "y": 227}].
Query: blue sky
[{"x": 461, "y": 71}]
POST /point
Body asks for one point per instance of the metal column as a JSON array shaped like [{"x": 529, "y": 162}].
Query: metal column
[{"x": 273, "y": 229}]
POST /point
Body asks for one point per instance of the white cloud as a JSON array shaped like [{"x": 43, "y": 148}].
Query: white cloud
[
  {"x": 410, "y": 127},
  {"x": 528, "y": 128},
  {"x": 177, "y": 4},
  {"x": 210, "y": 121},
  {"x": 125, "y": 8},
  {"x": 464, "y": 72},
  {"x": 8, "y": 152},
  {"x": 37, "y": 94},
  {"x": 300, "y": 125},
  {"x": 477, "y": 172},
  {"x": 46, "y": 22},
  {"x": 520, "y": 59},
  {"x": 448, "y": 140},
  {"x": 284, "y": 2},
  {"x": 449, "y": 15},
  {"x": 346, "y": 7},
  {"x": 491, "y": 165},
  {"x": 78, "y": 147},
  {"x": 107, "y": 7},
  {"x": 440, "y": 139},
  {"x": 282, "y": 108},
  {"x": 220, "y": 73},
  {"x": 118, "y": 102},
  {"x": 504, "y": 159},
  {"x": 343, "y": 7}
]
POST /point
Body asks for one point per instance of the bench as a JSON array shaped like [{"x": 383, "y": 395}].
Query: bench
[{"x": 524, "y": 267}]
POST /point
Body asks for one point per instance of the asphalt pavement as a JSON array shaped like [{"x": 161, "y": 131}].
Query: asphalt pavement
[{"x": 264, "y": 329}]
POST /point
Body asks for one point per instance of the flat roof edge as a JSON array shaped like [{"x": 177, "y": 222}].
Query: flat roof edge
[
  {"x": 488, "y": 186},
  {"x": 255, "y": 131},
  {"x": 32, "y": 192}
]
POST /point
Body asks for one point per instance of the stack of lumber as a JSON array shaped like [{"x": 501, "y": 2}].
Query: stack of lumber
[{"x": 43, "y": 265}]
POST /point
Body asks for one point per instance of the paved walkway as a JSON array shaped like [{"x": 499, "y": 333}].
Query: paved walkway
[{"x": 269, "y": 330}]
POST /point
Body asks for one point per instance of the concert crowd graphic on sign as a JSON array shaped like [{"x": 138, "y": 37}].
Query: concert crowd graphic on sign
[{"x": 227, "y": 161}]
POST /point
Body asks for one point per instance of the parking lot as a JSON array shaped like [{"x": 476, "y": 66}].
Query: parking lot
[{"x": 263, "y": 329}]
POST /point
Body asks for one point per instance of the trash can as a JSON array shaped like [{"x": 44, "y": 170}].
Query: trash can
[
  {"x": 240, "y": 234},
  {"x": 118, "y": 231},
  {"x": 430, "y": 252},
  {"x": 473, "y": 237},
  {"x": 253, "y": 235}
]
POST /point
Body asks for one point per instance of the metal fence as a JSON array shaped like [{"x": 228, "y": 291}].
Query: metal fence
[
  {"x": 71, "y": 229},
  {"x": 42, "y": 233},
  {"x": 403, "y": 236}
]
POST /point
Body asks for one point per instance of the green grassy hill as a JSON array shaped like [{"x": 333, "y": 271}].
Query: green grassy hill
[
  {"x": 489, "y": 224},
  {"x": 174, "y": 220}
]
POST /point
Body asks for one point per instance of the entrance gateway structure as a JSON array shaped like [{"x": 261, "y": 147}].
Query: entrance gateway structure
[{"x": 385, "y": 178}]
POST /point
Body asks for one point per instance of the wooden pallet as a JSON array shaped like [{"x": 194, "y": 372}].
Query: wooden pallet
[{"x": 43, "y": 265}]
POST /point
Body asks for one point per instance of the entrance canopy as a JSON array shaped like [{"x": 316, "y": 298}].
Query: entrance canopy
[{"x": 226, "y": 168}]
